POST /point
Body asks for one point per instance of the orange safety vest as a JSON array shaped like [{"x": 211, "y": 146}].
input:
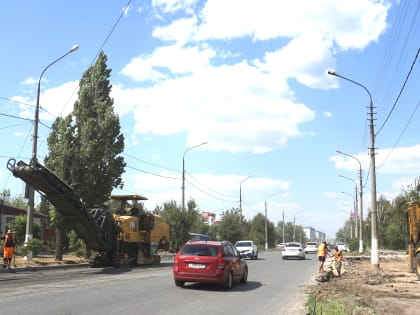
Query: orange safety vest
[
  {"x": 322, "y": 250},
  {"x": 8, "y": 250},
  {"x": 338, "y": 254}
]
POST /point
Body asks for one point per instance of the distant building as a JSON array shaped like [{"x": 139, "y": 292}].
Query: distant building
[
  {"x": 320, "y": 236},
  {"x": 9, "y": 213},
  {"x": 309, "y": 233},
  {"x": 208, "y": 217}
]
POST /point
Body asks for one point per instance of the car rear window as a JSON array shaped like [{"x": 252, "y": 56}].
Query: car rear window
[
  {"x": 199, "y": 250},
  {"x": 293, "y": 245},
  {"x": 243, "y": 244},
  {"x": 310, "y": 243}
]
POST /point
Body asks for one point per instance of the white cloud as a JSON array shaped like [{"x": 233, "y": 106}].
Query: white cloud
[
  {"x": 205, "y": 88},
  {"x": 401, "y": 160},
  {"x": 173, "y": 6},
  {"x": 179, "y": 31}
]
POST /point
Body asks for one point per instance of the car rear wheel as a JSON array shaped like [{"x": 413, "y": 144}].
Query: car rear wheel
[
  {"x": 179, "y": 283},
  {"x": 244, "y": 278},
  {"x": 229, "y": 281}
]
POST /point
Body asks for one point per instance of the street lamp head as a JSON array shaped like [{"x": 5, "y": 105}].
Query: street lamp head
[
  {"x": 74, "y": 48},
  {"x": 330, "y": 72}
]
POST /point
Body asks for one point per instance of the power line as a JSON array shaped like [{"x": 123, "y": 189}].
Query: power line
[
  {"x": 150, "y": 163},
  {"x": 210, "y": 195},
  {"x": 154, "y": 174},
  {"x": 208, "y": 187},
  {"x": 402, "y": 133},
  {"x": 399, "y": 94}
]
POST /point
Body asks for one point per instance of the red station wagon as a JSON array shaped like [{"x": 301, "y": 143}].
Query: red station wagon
[{"x": 209, "y": 262}]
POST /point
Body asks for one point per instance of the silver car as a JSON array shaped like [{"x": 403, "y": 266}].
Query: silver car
[{"x": 293, "y": 250}]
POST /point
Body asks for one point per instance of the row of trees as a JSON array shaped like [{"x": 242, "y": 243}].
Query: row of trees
[
  {"x": 391, "y": 221},
  {"x": 231, "y": 227}
]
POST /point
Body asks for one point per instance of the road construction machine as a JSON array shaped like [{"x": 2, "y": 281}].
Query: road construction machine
[
  {"x": 413, "y": 231},
  {"x": 119, "y": 232}
]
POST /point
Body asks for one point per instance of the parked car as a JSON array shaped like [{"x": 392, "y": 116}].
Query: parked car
[
  {"x": 247, "y": 249},
  {"x": 342, "y": 246},
  {"x": 311, "y": 248},
  {"x": 209, "y": 262},
  {"x": 293, "y": 250}
]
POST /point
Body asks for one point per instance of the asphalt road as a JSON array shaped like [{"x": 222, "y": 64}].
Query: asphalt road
[{"x": 274, "y": 287}]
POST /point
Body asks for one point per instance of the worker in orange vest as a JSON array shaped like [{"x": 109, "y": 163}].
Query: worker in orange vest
[
  {"x": 322, "y": 255},
  {"x": 338, "y": 255},
  {"x": 9, "y": 243}
]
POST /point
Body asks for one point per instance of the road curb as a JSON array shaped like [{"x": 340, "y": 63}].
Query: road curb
[{"x": 39, "y": 268}]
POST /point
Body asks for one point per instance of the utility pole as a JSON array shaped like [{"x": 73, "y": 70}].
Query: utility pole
[
  {"x": 374, "y": 216},
  {"x": 31, "y": 210}
]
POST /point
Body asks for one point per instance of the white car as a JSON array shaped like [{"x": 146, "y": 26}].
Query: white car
[
  {"x": 311, "y": 247},
  {"x": 342, "y": 246},
  {"x": 293, "y": 250},
  {"x": 247, "y": 249}
]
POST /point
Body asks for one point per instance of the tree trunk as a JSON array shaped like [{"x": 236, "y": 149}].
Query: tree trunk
[{"x": 59, "y": 238}]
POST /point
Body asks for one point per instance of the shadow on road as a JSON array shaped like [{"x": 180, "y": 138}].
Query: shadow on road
[{"x": 237, "y": 287}]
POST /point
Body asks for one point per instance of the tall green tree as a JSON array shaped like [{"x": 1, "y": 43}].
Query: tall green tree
[
  {"x": 85, "y": 146},
  {"x": 98, "y": 141},
  {"x": 181, "y": 222},
  {"x": 230, "y": 228}
]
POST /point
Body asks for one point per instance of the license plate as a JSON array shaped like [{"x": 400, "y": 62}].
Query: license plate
[{"x": 197, "y": 266}]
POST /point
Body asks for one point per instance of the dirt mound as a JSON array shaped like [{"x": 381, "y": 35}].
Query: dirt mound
[{"x": 390, "y": 290}]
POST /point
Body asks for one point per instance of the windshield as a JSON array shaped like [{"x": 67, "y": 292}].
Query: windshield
[
  {"x": 293, "y": 245},
  {"x": 243, "y": 244},
  {"x": 200, "y": 250}
]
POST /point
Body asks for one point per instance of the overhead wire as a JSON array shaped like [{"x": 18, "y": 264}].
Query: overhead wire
[
  {"x": 401, "y": 134},
  {"x": 208, "y": 194},
  {"x": 400, "y": 93},
  {"x": 150, "y": 163}
]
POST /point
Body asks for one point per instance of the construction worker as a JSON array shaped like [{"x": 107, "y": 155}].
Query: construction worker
[
  {"x": 322, "y": 255},
  {"x": 9, "y": 243},
  {"x": 338, "y": 256}
]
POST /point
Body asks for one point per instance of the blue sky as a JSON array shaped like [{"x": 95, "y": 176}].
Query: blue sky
[{"x": 247, "y": 77}]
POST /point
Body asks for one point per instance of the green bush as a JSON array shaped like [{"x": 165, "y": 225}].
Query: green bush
[
  {"x": 34, "y": 246},
  {"x": 75, "y": 243},
  {"x": 354, "y": 244}
]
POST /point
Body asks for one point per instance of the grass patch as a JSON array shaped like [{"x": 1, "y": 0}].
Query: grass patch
[{"x": 333, "y": 306}]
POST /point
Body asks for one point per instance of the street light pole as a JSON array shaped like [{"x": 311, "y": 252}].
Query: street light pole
[
  {"x": 266, "y": 232},
  {"x": 361, "y": 201},
  {"x": 355, "y": 202},
  {"x": 374, "y": 216},
  {"x": 30, "y": 214},
  {"x": 183, "y": 172},
  {"x": 354, "y": 211},
  {"x": 240, "y": 198},
  {"x": 283, "y": 219}
]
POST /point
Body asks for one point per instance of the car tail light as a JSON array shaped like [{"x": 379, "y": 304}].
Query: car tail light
[
  {"x": 176, "y": 265},
  {"x": 220, "y": 261}
]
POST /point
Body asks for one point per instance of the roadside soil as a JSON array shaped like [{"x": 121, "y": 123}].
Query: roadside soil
[
  {"x": 46, "y": 260},
  {"x": 390, "y": 290}
]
